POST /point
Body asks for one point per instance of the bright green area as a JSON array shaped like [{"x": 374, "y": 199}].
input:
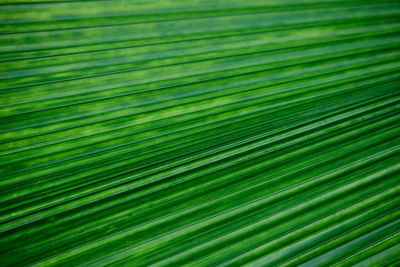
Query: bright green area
[{"x": 199, "y": 133}]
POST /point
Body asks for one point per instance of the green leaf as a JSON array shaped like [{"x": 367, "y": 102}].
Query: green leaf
[{"x": 199, "y": 133}]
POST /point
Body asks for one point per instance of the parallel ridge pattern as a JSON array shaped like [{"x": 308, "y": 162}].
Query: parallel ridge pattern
[{"x": 206, "y": 132}]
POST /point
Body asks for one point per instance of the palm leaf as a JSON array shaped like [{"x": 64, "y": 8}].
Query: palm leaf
[{"x": 199, "y": 133}]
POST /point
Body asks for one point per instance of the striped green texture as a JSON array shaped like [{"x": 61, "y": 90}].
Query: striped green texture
[{"x": 200, "y": 133}]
